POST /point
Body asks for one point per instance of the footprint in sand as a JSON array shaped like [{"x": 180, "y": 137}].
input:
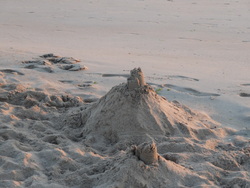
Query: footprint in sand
[
  {"x": 66, "y": 81},
  {"x": 86, "y": 84},
  {"x": 47, "y": 63},
  {"x": 244, "y": 94},
  {"x": 116, "y": 75},
  {"x": 190, "y": 91},
  {"x": 183, "y": 78},
  {"x": 39, "y": 68},
  {"x": 73, "y": 67},
  {"x": 80, "y": 85},
  {"x": 10, "y": 71},
  {"x": 245, "y": 84}
]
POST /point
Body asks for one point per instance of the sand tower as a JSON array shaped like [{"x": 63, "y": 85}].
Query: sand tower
[{"x": 136, "y": 79}]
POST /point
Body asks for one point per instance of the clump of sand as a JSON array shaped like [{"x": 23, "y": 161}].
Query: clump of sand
[
  {"x": 47, "y": 62},
  {"x": 147, "y": 152},
  {"x": 136, "y": 79},
  {"x": 131, "y": 137}
]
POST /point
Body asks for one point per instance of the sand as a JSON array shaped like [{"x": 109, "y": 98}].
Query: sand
[
  {"x": 130, "y": 137},
  {"x": 73, "y": 115}
]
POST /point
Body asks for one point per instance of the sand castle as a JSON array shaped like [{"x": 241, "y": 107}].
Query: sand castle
[
  {"x": 136, "y": 79},
  {"x": 131, "y": 137},
  {"x": 147, "y": 152},
  {"x": 134, "y": 112}
]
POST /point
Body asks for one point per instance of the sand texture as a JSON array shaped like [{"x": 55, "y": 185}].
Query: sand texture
[
  {"x": 130, "y": 137},
  {"x": 75, "y": 112}
]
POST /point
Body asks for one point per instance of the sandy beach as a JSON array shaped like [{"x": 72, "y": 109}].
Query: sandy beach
[{"x": 75, "y": 110}]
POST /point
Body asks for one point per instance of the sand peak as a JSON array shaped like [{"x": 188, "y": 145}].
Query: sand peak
[{"x": 136, "y": 79}]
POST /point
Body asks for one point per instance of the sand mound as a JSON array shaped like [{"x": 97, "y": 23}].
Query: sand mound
[
  {"x": 133, "y": 113},
  {"x": 131, "y": 137}
]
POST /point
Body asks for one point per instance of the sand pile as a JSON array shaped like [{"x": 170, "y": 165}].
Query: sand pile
[
  {"x": 133, "y": 113},
  {"x": 131, "y": 137}
]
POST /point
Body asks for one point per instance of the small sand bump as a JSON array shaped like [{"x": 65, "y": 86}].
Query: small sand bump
[{"x": 147, "y": 152}]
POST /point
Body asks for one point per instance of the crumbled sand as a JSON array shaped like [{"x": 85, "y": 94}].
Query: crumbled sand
[
  {"x": 47, "y": 63},
  {"x": 60, "y": 127},
  {"x": 131, "y": 137}
]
